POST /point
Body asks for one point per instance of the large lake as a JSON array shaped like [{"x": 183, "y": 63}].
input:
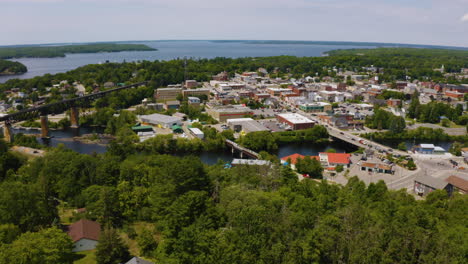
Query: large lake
[{"x": 168, "y": 50}]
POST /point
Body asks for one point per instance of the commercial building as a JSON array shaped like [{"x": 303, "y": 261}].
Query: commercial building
[
  {"x": 167, "y": 93},
  {"x": 376, "y": 167},
  {"x": 315, "y": 107},
  {"x": 335, "y": 159},
  {"x": 245, "y": 125},
  {"x": 196, "y": 92},
  {"x": 429, "y": 149},
  {"x": 295, "y": 121},
  {"x": 277, "y": 91},
  {"x": 161, "y": 120},
  {"x": 223, "y": 113}
]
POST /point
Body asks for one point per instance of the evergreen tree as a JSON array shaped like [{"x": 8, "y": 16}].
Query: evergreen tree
[{"x": 111, "y": 249}]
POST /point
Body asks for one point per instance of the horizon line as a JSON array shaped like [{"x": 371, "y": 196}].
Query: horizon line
[{"x": 241, "y": 40}]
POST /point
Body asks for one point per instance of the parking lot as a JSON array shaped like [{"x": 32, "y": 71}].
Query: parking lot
[{"x": 368, "y": 177}]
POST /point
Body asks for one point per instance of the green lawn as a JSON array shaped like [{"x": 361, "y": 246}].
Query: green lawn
[{"x": 86, "y": 257}]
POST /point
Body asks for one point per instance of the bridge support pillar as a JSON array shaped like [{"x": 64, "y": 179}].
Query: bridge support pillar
[
  {"x": 241, "y": 154},
  {"x": 74, "y": 117},
  {"x": 44, "y": 126},
  {"x": 7, "y": 133}
]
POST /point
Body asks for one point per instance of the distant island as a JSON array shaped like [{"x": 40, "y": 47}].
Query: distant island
[
  {"x": 338, "y": 43},
  {"x": 11, "y": 68},
  {"x": 402, "y": 52},
  {"x": 60, "y": 51}
]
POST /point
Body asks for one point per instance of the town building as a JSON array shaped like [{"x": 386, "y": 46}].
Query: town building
[
  {"x": 84, "y": 234},
  {"x": 172, "y": 104},
  {"x": 315, "y": 107},
  {"x": 189, "y": 84},
  {"x": 159, "y": 120},
  {"x": 222, "y": 76},
  {"x": 223, "y": 113},
  {"x": 429, "y": 149},
  {"x": 196, "y": 92},
  {"x": 155, "y": 106},
  {"x": 167, "y": 93},
  {"x": 458, "y": 184},
  {"x": 277, "y": 91},
  {"x": 330, "y": 160},
  {"x": 194, "y": 101},
  {"x": 454, "y": 94},
  {"x": 245, "y": 125},
  {"x": 294, "y": 121},
  {"x": 377, "y": 167},
  {"x": 394, "y": 102},
  {"x": 424, "y": 184}
]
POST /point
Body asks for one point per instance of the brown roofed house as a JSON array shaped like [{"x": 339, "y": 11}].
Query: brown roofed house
[
  {"x": 85, "y": 234},
  {"x": 459, "y": 184}
]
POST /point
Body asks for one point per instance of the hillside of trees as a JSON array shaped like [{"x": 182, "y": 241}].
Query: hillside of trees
[
  {"x": 60, "y": 51},
  {"x": 11, "y": 67},
  {"x": 194, "y": 213}
]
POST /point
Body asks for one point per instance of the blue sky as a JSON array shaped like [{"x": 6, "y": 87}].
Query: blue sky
[{"x": 441, "y": 22}]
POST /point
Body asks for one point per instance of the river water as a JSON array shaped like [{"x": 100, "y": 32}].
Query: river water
[
  {"x": 65, "y": 137},
  {"x": 168, "y": 50}
]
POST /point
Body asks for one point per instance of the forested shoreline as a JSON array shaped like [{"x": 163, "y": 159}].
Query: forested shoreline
[
  {"x": 11, "y": 67},
  {"x": 60, "y": 51}
]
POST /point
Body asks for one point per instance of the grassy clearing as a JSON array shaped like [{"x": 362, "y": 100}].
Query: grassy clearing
[{"x": 86, "y": 257}]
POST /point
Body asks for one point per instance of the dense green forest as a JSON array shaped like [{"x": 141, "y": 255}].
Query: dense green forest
[
  {"x": 11, "y": 67},
  {"x": 60, "y": 51},
  {"x": 194, "y": 213}
]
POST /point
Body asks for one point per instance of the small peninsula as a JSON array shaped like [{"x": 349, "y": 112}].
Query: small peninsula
[{"x": 11, "y": 68}]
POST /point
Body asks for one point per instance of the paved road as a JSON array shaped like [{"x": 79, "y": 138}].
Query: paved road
[
  {"x": 435, "y": 166},
  {"x": 348, "y": 137}
]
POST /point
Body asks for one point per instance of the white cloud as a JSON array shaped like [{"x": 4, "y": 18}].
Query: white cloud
[{"x": 465, "y": 18}]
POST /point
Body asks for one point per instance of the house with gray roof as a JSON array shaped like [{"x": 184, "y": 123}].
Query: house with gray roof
[{"x": 425, "y": 184}]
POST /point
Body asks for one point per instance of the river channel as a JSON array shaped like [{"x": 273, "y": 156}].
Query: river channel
[{"x": 65, "y": 137}]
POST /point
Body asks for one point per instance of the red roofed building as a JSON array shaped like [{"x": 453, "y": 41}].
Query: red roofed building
[
  {"x": 85, "y": 234},
  {"x": 335, "y": 159},
  {"x": 293, "y": 158}
]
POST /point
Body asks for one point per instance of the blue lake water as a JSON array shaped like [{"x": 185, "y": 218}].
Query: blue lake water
[{"x": 168, "y": 50}]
